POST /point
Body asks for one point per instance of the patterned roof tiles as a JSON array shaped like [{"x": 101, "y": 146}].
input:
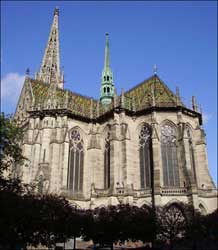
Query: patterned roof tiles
[{"x": 142, "y": 96}]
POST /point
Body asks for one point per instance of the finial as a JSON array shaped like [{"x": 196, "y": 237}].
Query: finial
[
  {"x": 155, "y": 69},
  {"x": 56, "y": 11},
  {"x": 178, "y": 100},
  {"x": 194, "y": 104},
  {"x": 122, "y": 98},
  {"x": 27, "y": 71},
  {"x": 177, "y": 91},
  {"x": 152, "y": 95},
  {"x": 133, "y": 104},
  {"x": 115, "y": 97},
  {"x": 201, "y": 110}
]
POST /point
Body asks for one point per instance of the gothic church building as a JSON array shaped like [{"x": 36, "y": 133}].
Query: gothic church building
[{"x": 141, "y": 147}]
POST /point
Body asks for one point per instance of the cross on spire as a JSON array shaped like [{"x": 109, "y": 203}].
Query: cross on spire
[{"x": 155, "y": 69}]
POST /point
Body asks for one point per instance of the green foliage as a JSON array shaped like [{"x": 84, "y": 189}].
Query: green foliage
[
  {"x": 107, "y": 225},
  {"x": 10, "y": 143}
]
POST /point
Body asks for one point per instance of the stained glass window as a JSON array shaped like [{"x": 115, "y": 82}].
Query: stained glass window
[
  {"x": 169, "y": 156},
  {"x": 76, "y": 157},
  {"x": 145, "y": 156},
  {"x": 107, "y": 163}
]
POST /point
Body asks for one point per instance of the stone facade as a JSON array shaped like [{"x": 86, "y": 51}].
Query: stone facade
[{"x": 90, "y": 152}]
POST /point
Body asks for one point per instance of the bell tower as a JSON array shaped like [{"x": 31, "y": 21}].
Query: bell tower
[{"x": 107, "y": 85}]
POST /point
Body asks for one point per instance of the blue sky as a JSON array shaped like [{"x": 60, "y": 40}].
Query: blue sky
[{"x": 180, "y": 37}]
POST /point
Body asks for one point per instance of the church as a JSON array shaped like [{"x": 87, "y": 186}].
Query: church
[{"x": 142, "y": 147}]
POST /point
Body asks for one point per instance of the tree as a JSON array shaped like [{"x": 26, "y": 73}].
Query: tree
[
  {"x": 11, "y": 138},
  {"x": 171, "y": 223},
  {"x": 211, "y": 224},
  {"x": 11, "y": 209},
  {"x": 107, "y": 225}
]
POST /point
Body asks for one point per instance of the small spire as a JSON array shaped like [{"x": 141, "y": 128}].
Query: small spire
[
  {"x": 91, "y": 109},
  {"x": 27, "y": 72},
  {"x": 178, "y": 99},
  {"x": 194, "y": 104},
  {"x": 115, "y": 98},
  {"x": 155, "y": 69},
  {"x": 153, "y": 96},
  {"x": 66, "y": 98},
  {"x": 107, "y": 53},
  {"x": 56, "y": 11},
  {"x": 122, "y": 98},
  {"x": 133, "y": 104},
  {"x": 201, "y": 110}
]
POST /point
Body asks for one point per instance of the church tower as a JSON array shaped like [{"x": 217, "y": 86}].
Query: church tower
[
  {"x": 50, "y": 67},
  {"x": 107, "y": 85}
]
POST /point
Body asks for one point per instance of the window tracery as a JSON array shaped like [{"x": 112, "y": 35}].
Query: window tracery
[
  {"x": 169, "y": 155},
  {"x": 76, "y": 159},
  {"x": 145, "y": 156}
]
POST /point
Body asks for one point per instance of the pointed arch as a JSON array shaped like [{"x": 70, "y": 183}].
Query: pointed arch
[
  {"x": 76, "y": 160},
  {"x": 202, "y": 209},
  {"x": 144, "y": 203},
  {"x": 145, "y": 155},
  {"x": 169, "y": 154}
]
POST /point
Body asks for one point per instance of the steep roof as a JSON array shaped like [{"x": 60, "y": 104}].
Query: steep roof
[
  {"x": 151, "y": 92},
  {"x": 80, "y": 105}
]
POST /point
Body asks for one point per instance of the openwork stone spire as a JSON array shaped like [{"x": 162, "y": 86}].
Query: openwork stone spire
[
  {"x": 107, "y": 86},
  {"x": 50, "y": 67}
]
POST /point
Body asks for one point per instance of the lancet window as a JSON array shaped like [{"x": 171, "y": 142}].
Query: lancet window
[
  {"x": 76, "y": 158},
  {"x": 107, "y": 163},
  {"x": 145, "y": 156},
  {"x": 169, "y": 156}
]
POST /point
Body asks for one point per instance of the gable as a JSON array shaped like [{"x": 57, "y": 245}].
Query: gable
[{"x": 152, "y": 89}]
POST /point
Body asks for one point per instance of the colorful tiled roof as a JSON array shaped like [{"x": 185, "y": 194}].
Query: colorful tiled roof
[
  {"x": 141, "y": 95},
  {"x": 152, "y": 91}
]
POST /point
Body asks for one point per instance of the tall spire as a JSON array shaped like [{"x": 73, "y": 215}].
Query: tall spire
[
  {"x": 107, "y": 86},
  {"x": 107, "y": 53},
  {"x": 50, "y": 67}
]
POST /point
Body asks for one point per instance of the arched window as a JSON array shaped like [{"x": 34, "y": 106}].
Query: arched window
[
  {"x": 169, "y": 156},
  {"x": 76, "y": 157},
  {"x": 202, "y": 209},
  {"x": 145, "y": 156},
  {"x": 107, "y": 78},
  {"x": 107, "y": 163},
  {"x": 191, "y": 153}
]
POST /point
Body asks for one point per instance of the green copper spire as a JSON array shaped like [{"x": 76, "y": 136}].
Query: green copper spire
[{"x": 107, "y": 86}]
